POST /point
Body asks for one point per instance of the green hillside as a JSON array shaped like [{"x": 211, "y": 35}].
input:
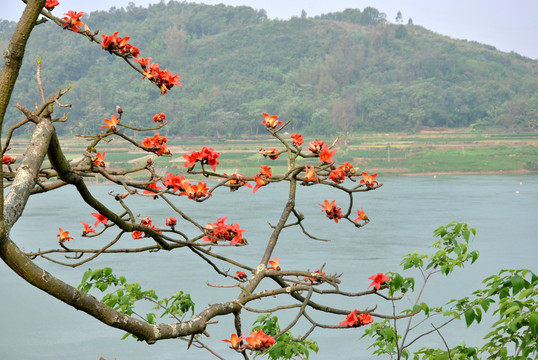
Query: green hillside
[{"x": 341, "y": 72}]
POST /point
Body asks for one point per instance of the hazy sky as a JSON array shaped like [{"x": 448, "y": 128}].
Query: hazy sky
[{"x": 507, "y": 25}]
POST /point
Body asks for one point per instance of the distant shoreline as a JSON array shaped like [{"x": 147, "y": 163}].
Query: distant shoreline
[{"x": 444, "y": 173}]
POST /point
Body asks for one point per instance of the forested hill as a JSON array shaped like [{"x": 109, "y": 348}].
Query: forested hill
[{"x": 347, "y": 71}]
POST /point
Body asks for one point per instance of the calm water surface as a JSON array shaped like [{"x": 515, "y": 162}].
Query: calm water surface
[{"x": 404, "y": 212}]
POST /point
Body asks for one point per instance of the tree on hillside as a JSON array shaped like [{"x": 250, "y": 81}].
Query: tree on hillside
[
  {"x": 372, "y": 16},
  {"x": 399, "y": 17},
  {"x": 308, "y": 292}
]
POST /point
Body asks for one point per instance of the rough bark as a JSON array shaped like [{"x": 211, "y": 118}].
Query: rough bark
[
  {"x": 27, "y": 172},
  {"x": 12, "y": 63}
]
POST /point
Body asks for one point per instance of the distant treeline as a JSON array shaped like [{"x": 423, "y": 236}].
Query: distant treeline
[{"x": 340, "y": 72}]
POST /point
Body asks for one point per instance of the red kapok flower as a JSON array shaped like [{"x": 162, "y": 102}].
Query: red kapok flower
[
  {"x": 275, "y": 264},
  {"x": 209, "y": 156},
  {"x": 353, "y": 319},
  {"x": 259, "y": 340},
  {"x": 219, "y": 231},
  {"x": 260, "y": 181},
  {"x": 273, "y": 153},
  {"x": 72, "y": 20},
  {"x": 313, "y": 279},
  {"x": 159, "y": 117},
  {"x": 147, "y": 223},
  {"x": 337, "y": 175},
  {"x": 174, "y": 182},
  {"x": 51, "y": 4},
  {"x": 109, "y": 41},
  {"x": 131, "y": 50},
  {"x": 64, "y": 236},
  {"x": 144, "y": 62},
  {"x": 8, "y": 160},
  {"x": 170, "y": 221},
  {"x": 137, "y": 234},
  {"x": 236, "y": 183},
  {"x": 315, "y": 146},
  {"x": 112, "y": 123},
  {"x": 191, "y": 159},
  {"x": 369, "y": 180},
  {"x": 205, "y": 156},
  {"x": 362, "y": 216},
  {"x": 270, "y": 121},
  {"x": 297, "y": 139},
  {"x": 310, "y": 175},
  {"x": 326, "y": 155},
  {"x": 348, "y": 168},
  {"x": 115, "y": 43},
  {"x": 365, "y": 319},
  {"x": 265, "y": 171},
  {"x": 87, "y": 229},
  {"x": 234, "y": 340},
  {"x": 168, "y": 80},
  {"x": 100, "y": 219},
  {"x": 164, "y": 79},
  {"x": 240, "y": 275},
  {"x": 378, "y": 280},
  {"x": 196, "y": 192},
  {"x": 122, "y": 42},
  {"x": 331, "y": 210},
  {"x": 100, "y": 159},
  {"x": 156, "y": 144},
  {"x": 152, "y": 189}
]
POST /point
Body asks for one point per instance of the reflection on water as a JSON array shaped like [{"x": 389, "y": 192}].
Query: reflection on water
[{"x": 404, "y": 212}]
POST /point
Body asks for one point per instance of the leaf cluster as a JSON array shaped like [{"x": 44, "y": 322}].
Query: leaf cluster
[
  {"x": 287, "y": 346},
  {"x": 125, "y": 295}
]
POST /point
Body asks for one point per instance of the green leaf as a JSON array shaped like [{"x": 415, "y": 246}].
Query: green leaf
[
  {"x": 469, "y": 317},
  {"x": 518, "y": 283},
  {"x": 511, "y": 309},
  {"x": 86, "y": 276},
  {"x": 485, "y": 304},
  {"x": 526, "y": 293},
  {"x": 466, "y": 233},
  {"x": 124, "y": 299},
  {"x": 474, "y": 255},
  {"x": 513, "y": 326},
  {"x": 534, "y": 278},
  {"x": 478, "y": 314},
  {"x": 388, "y": 334},
  {"x": 533, "y": 322},
  {"x": 397, "y": 281}
]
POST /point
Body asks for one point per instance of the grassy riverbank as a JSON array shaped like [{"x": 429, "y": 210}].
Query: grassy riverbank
[
  {"x": 441, "y": 152},
  {"x": 432, "y": 152}
]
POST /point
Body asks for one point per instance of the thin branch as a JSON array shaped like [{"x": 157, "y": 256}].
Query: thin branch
[
  {"x": 298, "y": 316},
  {"x": 444, "y": 341}
]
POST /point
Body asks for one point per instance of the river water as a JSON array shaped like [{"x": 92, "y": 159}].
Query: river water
[{"x": 404, "y": 212}]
